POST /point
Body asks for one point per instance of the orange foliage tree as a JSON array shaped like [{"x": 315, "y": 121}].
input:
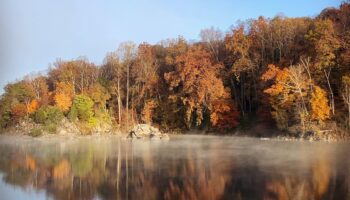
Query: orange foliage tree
[
  {"x": 32, "y": 106},
  {"x": 224, "y": 115},
  {"x": 288, "y": 93},
  {"x": 195, "y": 81},
  {"x": 18, "y": 111},
  {"x": 148, "y": 111}
]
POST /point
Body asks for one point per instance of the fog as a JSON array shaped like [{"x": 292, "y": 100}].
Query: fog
[{"x": 184, "y": 167}]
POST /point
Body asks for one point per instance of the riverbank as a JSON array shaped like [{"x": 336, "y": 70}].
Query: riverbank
[{"x": 282, "y": 136}]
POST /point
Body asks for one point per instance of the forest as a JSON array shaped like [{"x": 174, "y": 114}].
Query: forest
[{"x": 288, "y": 73}]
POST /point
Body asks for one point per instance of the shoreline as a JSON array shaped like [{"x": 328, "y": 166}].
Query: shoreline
[{"x": 247, "y": 134}]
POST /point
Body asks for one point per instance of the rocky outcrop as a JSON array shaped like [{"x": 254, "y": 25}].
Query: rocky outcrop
[
  {"x": 67, "y": 128},
  {"x": 146, "y": 131}
]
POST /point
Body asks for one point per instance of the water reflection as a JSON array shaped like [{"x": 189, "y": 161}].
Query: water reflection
[{"x": 186, "y": 167}]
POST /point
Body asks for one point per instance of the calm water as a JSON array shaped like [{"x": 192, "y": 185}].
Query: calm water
[{"x": 185, "y": 167}]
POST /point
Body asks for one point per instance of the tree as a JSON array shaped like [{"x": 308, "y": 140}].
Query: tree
[
  {"x": 280, "y": 98},
  {"x": 111, "y": 74},
  {"x": 213, "y": 39},
  {"x": 195, "y": 82},
  {"x": 223, "y": 115},
  {"x": 325, "y": 44},
  {"x": 148, "y": 111},
  {"x": 33, "y": 106},
  {"x": 99, "y": 95},
  {"x": 288, "y": 93},
  {"x": 63, "y": 96},
  {"x": 241, "y": 67},
  {"x": 319, "y": 105},
  {"x": 79, "y": 74},
  {"x": 346, "y": 94},
  {"x": 63, "y": 101},
  {"x": 18, "y": 111},
  {"x": 127, "y": 52},
  {"x": 83, "y": 106},
  {"x": 38, "y": 85}
]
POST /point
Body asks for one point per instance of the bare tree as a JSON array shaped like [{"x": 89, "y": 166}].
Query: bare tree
[
  {"x": 212, "y": 37},
  {"x": 346, "y": 95},
  {"x": 127, "y": 53}
]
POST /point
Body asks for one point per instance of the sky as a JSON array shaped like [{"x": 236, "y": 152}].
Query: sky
[{"x": 34, "y": 33}]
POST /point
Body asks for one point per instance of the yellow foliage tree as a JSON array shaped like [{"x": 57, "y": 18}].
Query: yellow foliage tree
[
  {"x": 319, "y": 104},
  {"x": 63, "y": 96},
  {"x": 63, "y": 101}
]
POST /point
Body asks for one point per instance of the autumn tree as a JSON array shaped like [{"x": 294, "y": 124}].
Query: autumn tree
[
  {"x": 346, "y": 95},
  {"x": 213, "y": 39},
  {"x": 325, "y": 44},
  {"x": 79, "y": 74},
  {"x": 32, "y": 106},
  {"x": 195, "y": 83},
  {"x": 111, "y": 74},
  {"x": 127, "y": 53},
  {"x": 224, "y": 115},
  {"x": 319, "y": 104},
  {"x": 63, "y": 96},
  {"x": 99, "y": 95},
  {"x": 39, "y": 86},
  {"x": 148, "y": 111},
  {"x": 242, "y": 68},
  {"x": 18, "y": 112},
  {"x": 288, "y": 93}
]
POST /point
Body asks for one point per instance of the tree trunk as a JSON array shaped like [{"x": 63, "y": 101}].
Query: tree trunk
[
  {"x": 238, "y": 102},
  {"x": 327, "y": 74},
  {"x": 127, "y": 95},
  {"x": 119, "y": 103}
]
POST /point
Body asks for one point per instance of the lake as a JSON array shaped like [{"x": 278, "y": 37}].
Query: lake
[{"x": 184, "y": 167}]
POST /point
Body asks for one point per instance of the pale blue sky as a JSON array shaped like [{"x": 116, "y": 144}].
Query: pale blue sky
[{"x": 33, "y": 33}]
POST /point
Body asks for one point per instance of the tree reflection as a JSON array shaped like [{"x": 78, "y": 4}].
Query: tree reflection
[{"x": 123, "y": 171}]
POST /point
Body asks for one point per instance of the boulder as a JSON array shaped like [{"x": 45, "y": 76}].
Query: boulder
[{"x": 146, "y": 131}]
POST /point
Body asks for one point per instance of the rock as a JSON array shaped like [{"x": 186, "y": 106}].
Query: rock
[
  {"x": 165, "y": 136},
  {"x": 146, "y": 131}
]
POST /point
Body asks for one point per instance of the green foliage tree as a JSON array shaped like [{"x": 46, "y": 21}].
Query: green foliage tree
[{"x": 82, "y": 108}]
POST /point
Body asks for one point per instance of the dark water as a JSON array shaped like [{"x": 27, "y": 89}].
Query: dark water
[{"x": 185, "y": 167}]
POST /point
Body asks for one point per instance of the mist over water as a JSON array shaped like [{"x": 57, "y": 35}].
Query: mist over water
[{"x": 185, "y": 167}]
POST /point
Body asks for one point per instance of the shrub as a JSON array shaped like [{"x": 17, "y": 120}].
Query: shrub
[
  {"x": 50, "y": 128},
  {"x": 48, "y": 115},
  {"x": 103, "y": 117},
  {"x": 73, "y": 114},
  {"x": 18, "y": 112},
  {"x": 36, "y": 132},
  {"x": 5, "y": 119},
  {"x": 40, "y": 116},
  {"x": 54, "y": 114},
  {"x": 82, "y": 108}
]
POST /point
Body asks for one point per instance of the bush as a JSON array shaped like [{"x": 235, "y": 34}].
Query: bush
[
  {"x": 40, "y": 116},
  {"x": 103, "y": 117},
  {"x": 36, "y": 132},
  {"x": 82, "y": 108},
  {"x": 5, "y": 119},
  {"x": 54, "y": 114},
  {"x": 48, "y": 115},
  {"x": 50, "y": 128},
  {"x": 73, "y": 114}
]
